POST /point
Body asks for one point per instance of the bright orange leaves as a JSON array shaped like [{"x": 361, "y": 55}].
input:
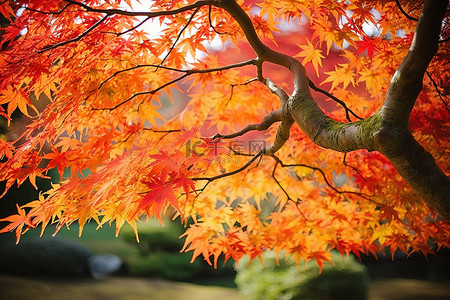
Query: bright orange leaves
[{"x": 121, "y": 158}]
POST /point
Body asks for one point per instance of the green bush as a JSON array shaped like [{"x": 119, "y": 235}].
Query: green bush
[
  {"x": 347, "y": 279},
  {"x": 155, "y": 237},
  {"x": 160, "y": 254},
  {"x": 167, "y": 265},
  {"x": 45, "y": 257}
]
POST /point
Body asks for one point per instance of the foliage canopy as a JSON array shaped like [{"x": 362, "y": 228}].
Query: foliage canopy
[{"x": 341, "y": 171}]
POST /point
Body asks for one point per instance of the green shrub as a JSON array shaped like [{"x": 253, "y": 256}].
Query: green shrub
[
  {"x": 160, "y": 248},
  {"x": 155, "y": 237},
  {"x": 348, "y": 279},
  {"x": 167, "y": 265},
  {"x": 45, "y": 257}
]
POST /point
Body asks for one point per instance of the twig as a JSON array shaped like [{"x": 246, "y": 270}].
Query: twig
[
  {"x": 285, "y": 192},
  {"x": 210, "y": 22},
  {"x": 143, "y": 93},
  {"x": 234, "y": 85},
  {"x": 48, "y": 12},
  {"x": 188, "y": 71},
  {"x": 321, "y": 173},
  {"x": 342, "y": 103},
  {"x": 162, "y": 131},
  {"x": 145, "y": 14},
  {"x": 74, "y": 39},
  {"x": 133, "y": 28},
  {"x": 261, "y": 152},
  {"x": 404, "y": 12},
  {"x": 437, "y": 88},
  {"x": 179, "y": 36}
]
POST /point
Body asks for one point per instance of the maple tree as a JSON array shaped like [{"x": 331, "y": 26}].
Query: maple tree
[{"x": 352, "y": 176}]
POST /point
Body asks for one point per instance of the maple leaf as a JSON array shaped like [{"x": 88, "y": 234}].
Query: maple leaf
[
  {"x": 58, "y": 160},
  {"x": 366, "y": 45},
  {"x": 320, "y": 257},
  {"x": 341, "y": 74},
  {"x": 6, "y": 10},
  {"x": 17, "y": 222},
  {"x": 16, "y": 99},
  {"x": 311, "y": 54},
  {"x": 161, "y": 192},
  {"x": 6, "y": 149}
]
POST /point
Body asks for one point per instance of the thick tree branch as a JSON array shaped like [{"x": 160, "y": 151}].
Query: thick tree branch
[
  {"x": 277, "y": 91},
  {"x": 273, "y": 117},
  {"x": 387, "y": 130},
  {"x": 394, "y": 139},
  {"x": 301, "y": 106}
]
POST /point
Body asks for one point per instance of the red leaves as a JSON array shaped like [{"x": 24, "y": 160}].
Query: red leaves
[
  {"x": 366, "y": 45},
  {"x": 6, "y": 10},
  {"x": 168, "y": 173},
  {"x": 160, "y": 192},
  {"x": 6, "y": 149}
]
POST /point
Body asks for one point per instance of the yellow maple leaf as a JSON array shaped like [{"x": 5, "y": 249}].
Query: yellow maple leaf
[
  {"x": 311, "y": 54},
  {"x": 340, "y": 74}
]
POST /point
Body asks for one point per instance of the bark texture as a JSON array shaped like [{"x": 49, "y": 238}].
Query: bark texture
[{"x": 387, "y": 130}]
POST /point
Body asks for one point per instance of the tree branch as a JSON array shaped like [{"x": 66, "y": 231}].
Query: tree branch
[
  {"x": 436, "y": 87},
  {"x": 145, "y": 14},
  {"x": 179, "y": 36},
  {"x": 210, "y": 21},
  {"x": 76, "y": 39},
  {"x": 322, "y": 173},
  {"x": 348, "y": 111},
  {"x": 48, "y": 12},
  {"x": 404, "y": 12},
  {"x": 387, "y": 130},
  {"x": 154, "y": 91},
  {"x": 187, "y": 72},
  {"x": 268, "y": 120},
  {"x": 301, "y": 106},
  {"x": 209, "y": 179},
  {"x": 394, "y": 139}
]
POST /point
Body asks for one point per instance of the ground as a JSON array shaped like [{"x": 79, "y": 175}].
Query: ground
[{"x": 126, "y": 288}]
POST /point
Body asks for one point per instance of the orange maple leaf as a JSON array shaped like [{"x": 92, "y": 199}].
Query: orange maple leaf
[
  {"x": 17, "y": 222},
  {"x": 311, "y": 54}
]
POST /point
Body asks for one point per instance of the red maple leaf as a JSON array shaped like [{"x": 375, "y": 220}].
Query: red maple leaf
[{"x": 366, "y": 44}]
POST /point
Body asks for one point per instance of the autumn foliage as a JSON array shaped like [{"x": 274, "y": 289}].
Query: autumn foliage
[{"x": 242, "y": 193}]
